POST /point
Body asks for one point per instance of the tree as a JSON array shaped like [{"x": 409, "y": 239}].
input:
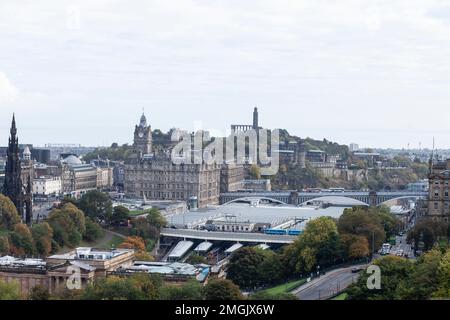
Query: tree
[
  {"x": 271, "y": 268},
  {"x": 96, "y": 205},
  {"x": 112, "y": 288},
  {"x": 93, "y": 230},
  {"x": 362, "y": 221},
  {"x": 355, "y": 246},
  {"x": 136, "y": 287},
  {"x": 120, "y": 214},
  {"x": 42, "y": 237},
  {"x": 77, "y": 216},
  {"x": 39, "y": 293},
  {"x": 196, "y": 259},
  {"x": 9, "y": 290},
  {"x": 133, "y": 242},
  {"x": 427, "y": 231},
  {"x": 191, "y": 290},
  {"x": 21, "y": 240},
  {"x": 4, "y": 245},
  {"x": 243, "y": 268},
  {"x": 155, "y": 218},
  {"x": 423, "y": 281},
  {"x": 264, "y": 295},
  {"x": 319, "y": 244},
  {"x": 387, "y": 220},
  {"x": 149, "y": 227},
  {"x": 443, "y": 276},
  {"x": 255, "y": 172},
  {"x": 394, "y": 271},
  {"x": 67, "y": 225},
  {"x": 222, "y": 289},
  {"x": 8, "y": 213}
]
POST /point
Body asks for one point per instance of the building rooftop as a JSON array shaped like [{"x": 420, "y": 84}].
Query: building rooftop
[
  {"x": 180, "y": 249},
  {"x": 200, "y": 271},
  {"x": 17, "y": 262},
  {"x": 86, "y": 253}
]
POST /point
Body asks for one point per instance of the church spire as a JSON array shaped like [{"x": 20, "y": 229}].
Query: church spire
[
  {"x": 13, "y": 186},
  {"x": 13, "y": 127}
]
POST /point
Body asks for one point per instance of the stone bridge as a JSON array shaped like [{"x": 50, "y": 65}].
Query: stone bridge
[{"x": 371, "y": 198}]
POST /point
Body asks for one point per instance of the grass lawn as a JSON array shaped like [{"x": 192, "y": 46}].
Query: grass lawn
[
  {"x": 342, "y": 296},
  {"x": 115, "y": 241},
  {"x": 136, "y": 212},
  {"x": 105, "y": 242},
  {"x": 286, "y": 287}
]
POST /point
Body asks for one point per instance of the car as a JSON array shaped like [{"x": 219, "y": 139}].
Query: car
[{"x": 356, "y": 270}]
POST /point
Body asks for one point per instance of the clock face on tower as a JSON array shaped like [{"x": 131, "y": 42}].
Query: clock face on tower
[{"x": 140, "y": 134}]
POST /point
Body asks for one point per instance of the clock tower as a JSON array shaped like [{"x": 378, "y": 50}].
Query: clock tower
[{"x": 143, "y": 137}]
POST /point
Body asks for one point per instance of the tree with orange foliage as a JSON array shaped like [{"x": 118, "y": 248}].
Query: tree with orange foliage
[{"x": 136, "y": 243}]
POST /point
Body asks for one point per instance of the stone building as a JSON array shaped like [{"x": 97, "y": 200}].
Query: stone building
[
  {"x": 47, "y": 186},
  {"x": 231, "y": 177},
  {"x": 154, "y": 176},
  {"x": 438, "y": 193},
  {"x": 79, "y": 267}
]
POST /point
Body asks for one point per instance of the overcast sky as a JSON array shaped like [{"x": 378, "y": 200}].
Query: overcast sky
[{"x": 372, "y": 72}]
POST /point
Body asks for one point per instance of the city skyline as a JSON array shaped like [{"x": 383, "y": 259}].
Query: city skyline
[{"x": 358, "y": 72}]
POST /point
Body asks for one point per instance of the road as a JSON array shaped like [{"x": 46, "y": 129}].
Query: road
[
  {"x": 327, "y": 285},
  {"x": 400, "y": 244}
]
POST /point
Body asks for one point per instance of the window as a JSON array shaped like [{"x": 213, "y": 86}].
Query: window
[{"x": 436, "y": 206}]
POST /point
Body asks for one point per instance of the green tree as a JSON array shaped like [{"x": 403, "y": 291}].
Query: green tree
[
  {"x": 21, "y": 240},
  {"x": 191, "y": 290},
  {"x": 362, "y": 221},
  {"x": 112, "y": 288},
  {"x": 42, "y": 236},
  {"x": 136, "y": 287},
  {"x": 155, "y": 218},
  {"x": 222, "y": 289},
  {"x": 264, "y": 295},
  {"x": 443, "y": 276},
  {"x": 93, "y": 230},
  {"x": 4, "y": 245},
  {"x": 196, "y": 259},
  {"x": 9, "y": 290},
  {"x": 120, "y": 214},
  {"x": 271, "y": 268},
  {"x": 96, "y": 205},
  {"x": 243, "y": 268},
  {"x": 423, "y": 281},
  {"x": 427, "y": 231},
  {"x": 77, "y": 216},
  {"x": 39, "y": 293},
  {"x": 394, "y": 271},
  {"x": 66, "y": 226},
  {"x": 8, "y": 213},
  {"x": 318, "y": 245}
]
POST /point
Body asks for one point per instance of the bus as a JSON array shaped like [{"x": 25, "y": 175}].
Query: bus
[{"x": 385, "y": 249}]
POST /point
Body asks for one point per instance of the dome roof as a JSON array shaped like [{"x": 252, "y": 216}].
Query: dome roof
[{"x": 72, "y": 160}]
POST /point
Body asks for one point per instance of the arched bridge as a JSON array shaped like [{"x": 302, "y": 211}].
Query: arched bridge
[{"x": 371, "y": 198}]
